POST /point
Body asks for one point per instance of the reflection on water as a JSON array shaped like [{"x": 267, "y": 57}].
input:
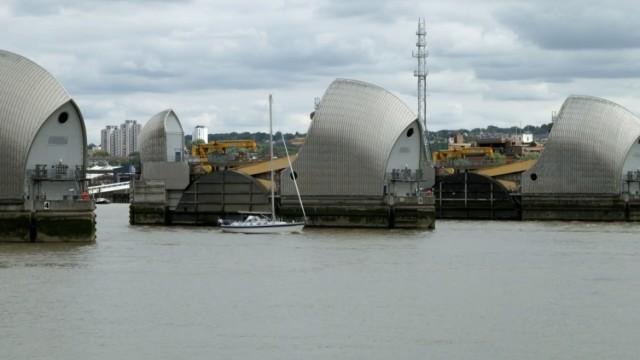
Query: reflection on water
[
  {"x": 44, "y": 255},
  {"x": 498, "y": 290}
]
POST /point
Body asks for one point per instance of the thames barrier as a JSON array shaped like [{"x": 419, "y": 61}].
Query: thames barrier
[{"x": 364, "y": 163}]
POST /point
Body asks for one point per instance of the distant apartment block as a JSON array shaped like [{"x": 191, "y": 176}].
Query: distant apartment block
[
  {"x": 121, "y": 140},
  {"x": 200, "y": 133},
  {"x": 107, "y": 139}
]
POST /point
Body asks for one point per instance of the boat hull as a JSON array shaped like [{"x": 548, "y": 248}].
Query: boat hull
[{"x": 264, "y": 229}]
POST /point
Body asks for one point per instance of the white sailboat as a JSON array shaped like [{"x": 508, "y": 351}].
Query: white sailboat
[{"x": 260, "y": 224}]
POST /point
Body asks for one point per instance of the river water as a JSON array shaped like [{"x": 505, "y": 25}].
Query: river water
[{"x": 468, "y": 290}]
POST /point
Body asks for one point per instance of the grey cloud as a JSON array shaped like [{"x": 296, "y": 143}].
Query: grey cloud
[
  {"x": 284, "y": 54},
  {"x": 561, "y": 66},
  {"x": 575, "y": 25},
  {"x": 119, "y": 55},
  {"x": 377, "y": 10},
  {"x": 212, "y": 58},
  {"x": 48, "y": 7},
  {"x": 281, "y": 62}
]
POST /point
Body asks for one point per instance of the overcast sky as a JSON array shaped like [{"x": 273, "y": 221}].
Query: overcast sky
[{"x": 504, "y": 63}]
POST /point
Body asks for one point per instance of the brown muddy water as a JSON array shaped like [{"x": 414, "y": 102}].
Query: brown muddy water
[{"x": 468, "y": 290}]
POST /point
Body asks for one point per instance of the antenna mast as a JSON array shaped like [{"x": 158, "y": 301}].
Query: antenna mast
[{"x": 421, "y": 53}]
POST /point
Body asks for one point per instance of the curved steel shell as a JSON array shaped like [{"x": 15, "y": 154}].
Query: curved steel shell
[
  {"x": 587, "y": 147},
  {"x": 28, "y": 96},
  {"x": 349, "y": 141},
  {"x": 153, "y": 137}
]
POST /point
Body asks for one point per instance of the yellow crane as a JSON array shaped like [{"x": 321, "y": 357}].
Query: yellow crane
[
  {"x": 201, "y": 152},
  {"x": 461, "y": 153}
]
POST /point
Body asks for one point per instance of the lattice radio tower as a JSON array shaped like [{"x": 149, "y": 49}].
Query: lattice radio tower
[{"x": 421, "y": 53}]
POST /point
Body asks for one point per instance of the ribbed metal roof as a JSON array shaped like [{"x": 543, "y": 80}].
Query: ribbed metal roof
[
  {"x": 28, "y": 96},
  {"x": 349, "y": 141},
  {"x": 153, "y": 137},
  {"x": 587, "y": 147}
]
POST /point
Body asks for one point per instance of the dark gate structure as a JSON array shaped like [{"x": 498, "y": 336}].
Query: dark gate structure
[
  {"x": 221, "y": 194},
  {"x": 472, "y": 196}
]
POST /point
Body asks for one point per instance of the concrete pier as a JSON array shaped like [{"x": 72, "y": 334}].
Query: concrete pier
[
  {"x": 363, "y": 212},
  {"x": 148, "y": 214},
  {"x": 587, "y": 207},
  {"x": 15, "y": 224},
  {"x": 50, "y": 221},
  {"x": 149, "y": 205}
]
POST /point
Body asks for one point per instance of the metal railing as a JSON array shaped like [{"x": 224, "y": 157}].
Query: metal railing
[
  {"x": 408, "y": 175},
  {"x": 631, "y": 185},
  {"x": 125, "y": 185},
  {"x": 60, "y": 172}
]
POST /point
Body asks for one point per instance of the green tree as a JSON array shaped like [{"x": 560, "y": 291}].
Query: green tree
[
  {"x": 100, "y": 154},
  {"x": 132, "y": 159}
]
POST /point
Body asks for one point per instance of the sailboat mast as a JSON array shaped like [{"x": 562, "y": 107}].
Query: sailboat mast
[
  {"x": 273, "y": 204},
  {"x": 293, "y": 176}
]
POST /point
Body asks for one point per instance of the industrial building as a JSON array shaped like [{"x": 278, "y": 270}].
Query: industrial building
[
  {"x": 162, "y": 138},
  {"x": 167, "y": 193},
  {"x": 43, "y": 145},
  {"x": 590, "y": 168},
  {"x": 165, "y": 171},
  {"x": 364, "y": 162}
]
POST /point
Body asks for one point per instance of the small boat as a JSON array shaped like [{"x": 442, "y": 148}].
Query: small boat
[
  {"x": 253, "y": 224},
  {"x": 260, "y": 224},
  {"x": 102, "y": 200}
]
